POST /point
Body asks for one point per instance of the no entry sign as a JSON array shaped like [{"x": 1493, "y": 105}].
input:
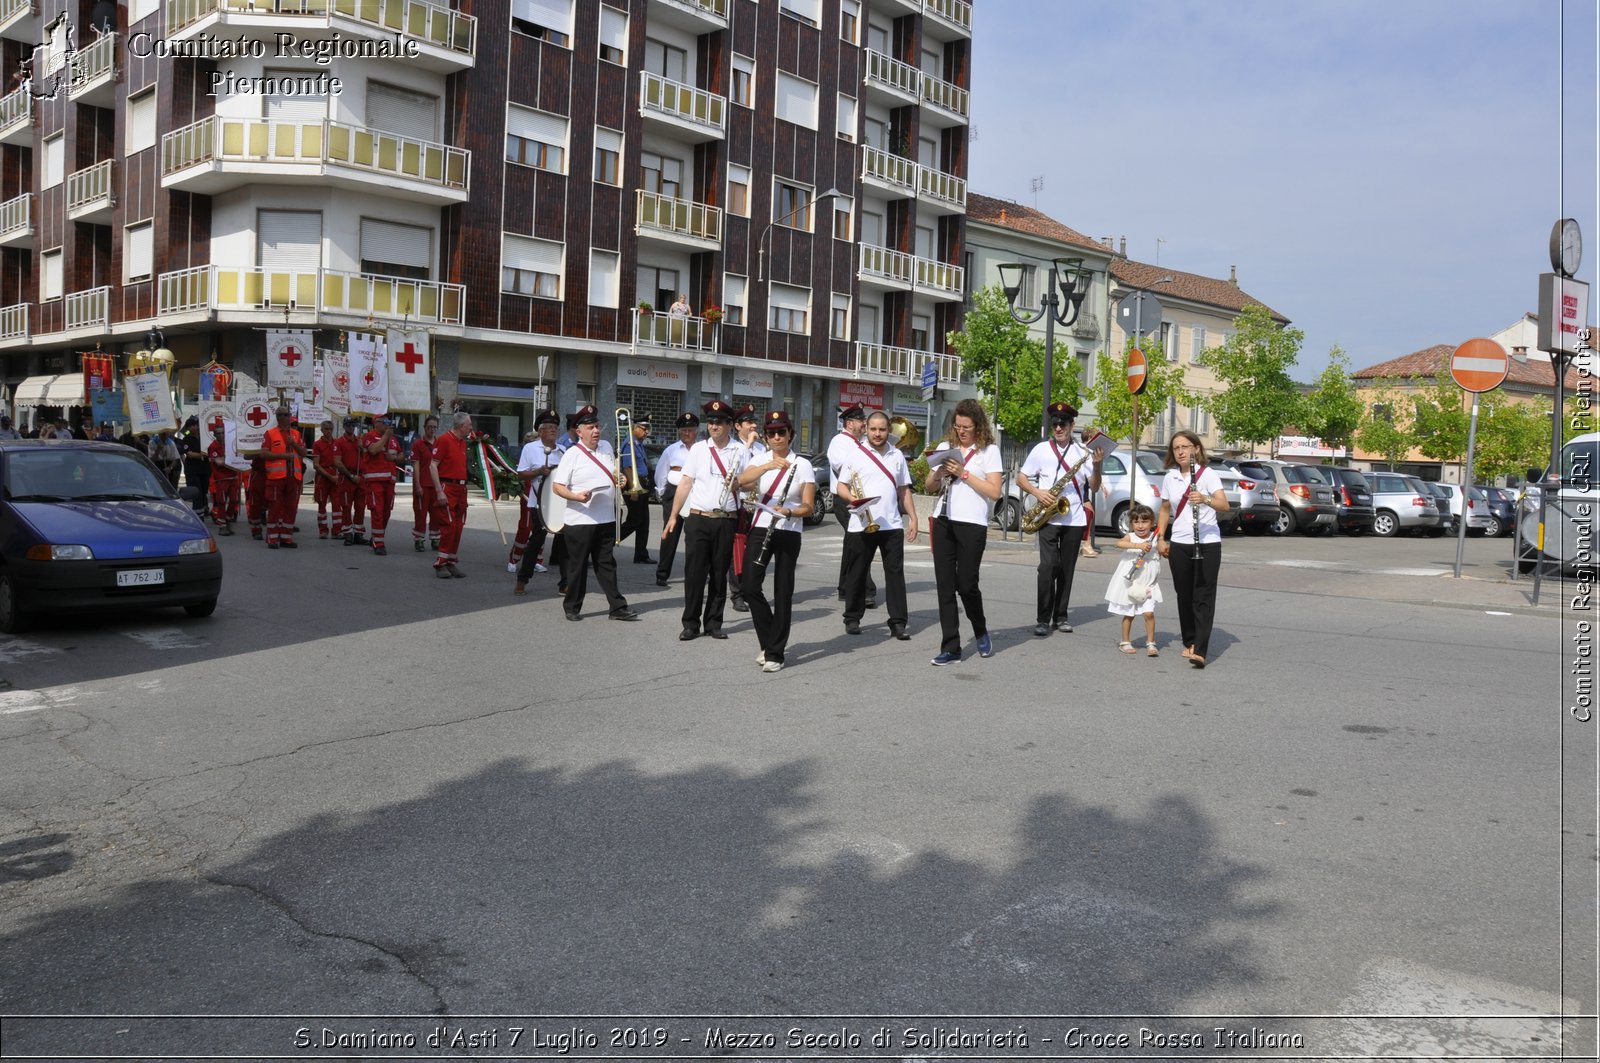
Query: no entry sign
[
  {"x": 1138, "y": 370},
  {"x": 1479, "y": 365}
]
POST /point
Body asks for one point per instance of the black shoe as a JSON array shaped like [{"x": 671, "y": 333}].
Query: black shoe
[
  {"x": 688, "y": 634},
  {"x": 1041, "y": 630},
  {"x": 289, "y": 544},
  {"x": 852, "y": 627},
  {"x": 739, "y": 606},
  {"x": 717, "y": 634},
  {"x": 562, "y": 590},
  {"x": 872, "y": 603},
  {"x": 661, "y": 581},
  {"x": 624, "y": 614},
  {"x": 272, "y": 546},
  {"x": 574, "y": 616},
  {"x": 899, "y": 632},
  {"x": 644, "y": 559},
  {"x": 381, "y": 551}
]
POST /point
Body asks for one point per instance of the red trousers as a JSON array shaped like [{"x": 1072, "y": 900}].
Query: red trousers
[
  {"x": 255, "y": 501},
  {"x": 283, "y": 502},
  {"x": 519, "y": 542},
  {"x": 451, "y": 511},
  {"x": 423, "y": 502},
  {"x": 224, "y": 499},
  {"x": 380, "y": 505},
  {"x": 352, "y": 505},
  {"x": 325, "y": 490}
]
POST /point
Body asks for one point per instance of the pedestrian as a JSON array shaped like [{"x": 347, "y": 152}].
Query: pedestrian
[
  {"x": 842, "y": 450},
  {"x": 538, "y": 460},
  {"x": 425, "y": 526},
  {"x": 709, "y": 481},
  {"x": 224, "y": 483},
  {"x": 381, "y": 458},
  {"x": 196, "y": 464},
  {"x": 1054, "y": 475},
  {"x": 449, "y": 471},
  {"x": 1195, "y": 549},
  {"x": 786, "y": 484},
  {"x": 352, "y": 500},
  {"x": 883, "y": 526},
  {"x": 326, "y": 484},
  {"x": 6, "y": 431},
  {"x": 285, "y": 454},
  {"x": 966, "y": 474},
  {"x": 669, "y": 471},
  {"x": 635, "y": 465},
  {"x": 1134, "y": 590},
  {"x": 587, "y": 478}
]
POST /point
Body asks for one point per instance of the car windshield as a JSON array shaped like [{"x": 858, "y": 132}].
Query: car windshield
[
  {"x": 1580, "y": 464},
  {"x": 1152, "y": 465},
  {"x": 50, "y": 475}
]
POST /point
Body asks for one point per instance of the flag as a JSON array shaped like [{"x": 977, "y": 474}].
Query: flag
[
  {"x": 99, "y": 374},
  {"x": 409, "y": 378},
  {"x": 150, "y": 402},
  {"x": 309, "y": 407},
  {"x": 336, "y": 383},
  {"x": 288, "y": 358},
  {"x": 215, "y": 381},
  {"x": 369, "y": 374}
]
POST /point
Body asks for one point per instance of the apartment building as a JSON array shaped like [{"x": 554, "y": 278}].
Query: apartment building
[{"x": 535, "y": 182}]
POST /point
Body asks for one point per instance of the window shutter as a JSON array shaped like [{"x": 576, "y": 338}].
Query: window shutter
[
  {"x": 408, "y": 114},
  {"x": 50, "y": 283},
  {"x": 540, "y": 256},
  {"x": 141, "y": 132},
  {"x": 55, "y": 160},
  {"x": 791, "y": 298},
  {"x": 603, "y": 278},
  {"x": 847, "y": 117},
  {"x": 614, "y": 29},
  {"x": 401, "y": 245},
  {"x": 138, "y": 251},
  {"x": 1197, "y": 343},
  {"x": 289, "y": 239},
  {"x": 797, "y": 101},
  {"x": 296, "y": 107},
  {"x": 545, "y": 128},
  {"x": 733, "y": 285},
  {"x": 551, "y": 14}
]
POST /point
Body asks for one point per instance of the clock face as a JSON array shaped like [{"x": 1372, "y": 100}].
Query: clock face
[{"x": 1566, "y": 247}]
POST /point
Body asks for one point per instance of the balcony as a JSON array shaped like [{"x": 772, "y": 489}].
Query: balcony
[
  {"x": 89, "y": 195},
  {"x": 203, "y": 289},
  {"x": 14, "y": 324},
  {"x": 680, "y": 222},
  {"x": 16, "y": 221},
  {"x": 942, "y": 280},
  {"x": 893, "y": 174},
  {"x": 16, "y": 117},
  {"x": 882, "y": 268},
  {"x": 413, "y": 32},
  {"x": 944, "y": 104},
  {"x": 94, "y": 73},
  {"x": 895, "y": 82},
  {"x": 683, "y": 108},
  {"x": 904, "y": 365},
  {"x": 217, "y": 154},
  {"x": 942, "y": 193},
  {"x": 16, "y": 21},
  {"x": 89, "y": 309},
  {"x": 694, "y": 16},
  {"x": 657, "y": 333},
  {"x": 947, "y": 18}
]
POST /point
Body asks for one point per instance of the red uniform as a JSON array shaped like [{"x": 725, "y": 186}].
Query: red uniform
[
  {"x": 352, "y": 501},
  {"x": 378, "y": 469},
  {"x": 424, "y": 493},
  {"x": 285, "y": 472},
  {"x": 255, "y": 496},
  {"x": 326, "y": 488},
  {"x": 224, "y": 489},
  {"x": 450, "y": 451}
]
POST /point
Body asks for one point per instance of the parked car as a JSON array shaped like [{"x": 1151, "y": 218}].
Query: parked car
[
  {"x": 86, "y": 525},
  {"x": 1257, "y": 502},
  {"x": 1572, "y": 517},
  {"x": 1450, "y": 497},
  {"x": 1353, "y": 497},
  {"x": 824, "y": 506},
  {"x": 1402, "y": 503},
  {"x": 1111, "y": 508},
  {"x": 1502, "y": 509},
  {"x": 1305, "y": 497}
]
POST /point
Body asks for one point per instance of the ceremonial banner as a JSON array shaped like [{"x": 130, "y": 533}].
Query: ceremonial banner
[
  {"x": 288, "y": 359},
  {"x": 309, "y": 407},
  {"x": 409, "y": 374},
  {"x": 230, "y": 448},
  {"x": 336, "y": 384},
  {"x": 255, "y": 415},
  {"x": 369, "y": 374},
  {"x": 213, "y": 414},
  {"x": 150, "y": 402},
  {"x": 109, "y": 406},
  {"x": 99, "y": 374},
  {"x": 215, "y": 381}
]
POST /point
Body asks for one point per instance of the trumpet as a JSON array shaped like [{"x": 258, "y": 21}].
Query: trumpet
[
  {"x": 624, "y": 418},
  {"x": 728, "y": 489},
  {"x": 870, "y": 527}
]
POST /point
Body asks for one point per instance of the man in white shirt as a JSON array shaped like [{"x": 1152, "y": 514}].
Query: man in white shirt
[
  {"x": 669, "y": 470},
  {"x": 1059, "y": 540},
  {"x": 539, "y": 459},
  {"x": 841, "y": 449},
  {"x": 710, "y": 480},
  {"x": 587, "y": 479},
  {"x": 885, "y": 477}
]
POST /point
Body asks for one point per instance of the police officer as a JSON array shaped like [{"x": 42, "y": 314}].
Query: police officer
[{"x": 669, "y": 470}]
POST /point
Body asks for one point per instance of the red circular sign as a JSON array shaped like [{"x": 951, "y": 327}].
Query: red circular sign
[
  {"x": 1138, "y": 371},
  {"x": 1479, "y": 365}
]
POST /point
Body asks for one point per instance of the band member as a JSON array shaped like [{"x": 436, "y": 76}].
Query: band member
[
  {"x": 1059, "y": 540},
  {"x": 786, "y": 483},
  {"x": 224, "y": 484},
  {"x": 967, "y": 475},
  {"x": 710, "y": 482},
  {"x": 424, "y": 492},
  {"x": 325, "y": 482},
  {"x": 538, "y": 460},
  {"x": 747, "y": 431},
  {"x": 352, "y": 500},
  {"x": 882, "y": 473},
  {"x": 587, "y": 478},
  {"x": 636, "y": 474},
  {"x": 1191, "y": 498},
  {"x": 669, "y": 470},
  {"x": 381, "y": 456},
  {"x": 840, "y": 450},
  {"x": 285, "y": 454},
  {"x": 450, "y": 473}
]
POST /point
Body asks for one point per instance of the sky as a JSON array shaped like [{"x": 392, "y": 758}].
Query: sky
[{"x": 1384, "y": 174}]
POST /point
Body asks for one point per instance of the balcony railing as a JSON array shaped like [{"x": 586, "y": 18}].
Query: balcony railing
[
  {"x": 94, "y": 61},
  {"x": 944, "y": 95},
  {"x": 892, "y": 73},
  {"x": 238, "y": 140},
  {"x": 940, "y": 276},
  {"x": 89, "y": 187},
  {"x": 890, "y": 265},
  {"x": 16, "y": 107},
  {"x": 322, "y": 290},
  {"x": 936, "y": 184},
  {"x": 669, "y": 332},
  {"x": 89, "y": 309},
  {"x": 956, "y": 12},
  {"x": 714, "y": 8},
  {"x": 16, "y": 215},
  {"x": 904, "y": 363},
  {"x": 431, "y": 23},
  {"x": 14, "y": 322},
  {"x": 663, "y": 96},
  {"x": 888, "y": 168},
  {"x": 681, "y": 217}
]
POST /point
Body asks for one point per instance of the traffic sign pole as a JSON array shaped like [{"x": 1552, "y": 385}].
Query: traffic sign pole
[
  {"x": 1478, "y": 365},
  {"x": 1466, "y": 486}
]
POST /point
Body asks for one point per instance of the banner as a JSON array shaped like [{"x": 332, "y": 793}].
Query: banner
[
  {"x": 369, "y": 375},
  {"x": 309, "y": 405},
  {"x": 215, "y": 381},
  {"x": 150, "y": 402},
  {"x": 409, "y": 375},
  {"x": 99, "y": 374},
  {"x": 213, "y": 414},
  {"x": 253, "y": 417},
  {"x": 110, "y": 407},
  {"x": 336, "y": 384},
  {"x": 288, "y": 359}
]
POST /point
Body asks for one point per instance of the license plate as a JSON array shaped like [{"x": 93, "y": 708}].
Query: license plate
[{"x": 141, "y": 577}]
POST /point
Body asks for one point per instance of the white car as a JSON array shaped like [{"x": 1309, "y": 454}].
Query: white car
[{"x": 1572, "y": 519}]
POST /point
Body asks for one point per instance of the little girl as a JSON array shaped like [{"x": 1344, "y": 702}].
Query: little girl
[{"x": 1133, "y": 588}]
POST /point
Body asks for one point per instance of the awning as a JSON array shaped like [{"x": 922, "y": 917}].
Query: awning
[
  {"x": 31, "y": 391},
  {"x": 64, "y": 390}
]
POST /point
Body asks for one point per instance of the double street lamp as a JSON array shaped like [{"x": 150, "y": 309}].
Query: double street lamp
[{"x": 1063, "y": 297}]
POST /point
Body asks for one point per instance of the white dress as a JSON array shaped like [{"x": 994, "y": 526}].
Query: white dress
[{"x": 1125, "y": 597}]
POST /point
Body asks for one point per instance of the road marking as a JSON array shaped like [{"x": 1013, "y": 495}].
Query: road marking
[
  {"x": 1495, "y": 612},
  {"x": 167, "y": 638},
  {"x": 15, "y": 701},
  {"x": 15, "y": 649}
]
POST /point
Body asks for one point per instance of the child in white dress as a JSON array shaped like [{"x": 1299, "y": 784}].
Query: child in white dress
[{"x": 1133, "y": 588}]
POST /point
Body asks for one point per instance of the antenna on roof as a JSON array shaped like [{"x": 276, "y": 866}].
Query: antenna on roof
[{"x": 1035, "y": 184}]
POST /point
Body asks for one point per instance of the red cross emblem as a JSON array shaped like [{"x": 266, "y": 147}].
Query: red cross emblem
[
  {"x": 289, "y": 356},
  {"x": 257, "y": 416},
  {"x": 215, "y": 423},
  {"x": 370, "y": 376},
  {"x": 409, "y": 357},
  {"x": 341, "y": 380}
]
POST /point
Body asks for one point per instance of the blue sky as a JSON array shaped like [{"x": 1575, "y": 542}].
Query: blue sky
[{"x": 1383, "y": 174}]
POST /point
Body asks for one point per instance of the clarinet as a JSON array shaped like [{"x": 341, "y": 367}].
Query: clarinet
[
  {"x": 1194, "y": 511},
  {"x": 772, "y": 529}
]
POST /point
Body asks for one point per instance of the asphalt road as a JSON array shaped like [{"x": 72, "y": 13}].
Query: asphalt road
[{"x": 360, "y": 791}]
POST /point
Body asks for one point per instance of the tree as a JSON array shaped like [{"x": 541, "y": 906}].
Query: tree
[
  {"x": 1019, "y": 408},
  {"x": 1512, "y": 437},
  {"x": 1439, "y": 419},
  {"x": 1332, "y": 411},
  {"x": 1256, "y": 396},
  {"x": 1007, "y": 365},
  {"x": 1386, "y": 427},
  {"x": 1113, "y": 404}
]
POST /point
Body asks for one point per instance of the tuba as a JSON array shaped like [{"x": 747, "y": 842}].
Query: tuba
[{"x": 903, "y": 435}]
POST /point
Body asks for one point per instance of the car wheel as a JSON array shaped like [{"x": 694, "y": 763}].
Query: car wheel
[
  {"x": 1284, "y": 524},
  {"x": 12, "y": 619},
  {"x": 819, "y": 510},
  {"x": 1316, "y": 531},
  {"x": 1008, "y": 514},
  {"x": 201, "y": 609},
  {"x": 1385, "y": 524},
  {"x": 1119, "y": 519}
]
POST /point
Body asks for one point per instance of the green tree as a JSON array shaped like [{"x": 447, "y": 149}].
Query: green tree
[
  {"x": 1512, "y": 437},
  {"x": 1256, "y": 396},
  {"x": 1332, "y": 411},
  {"x": 1113, "y": 404},
  {"x": 1439, "y": 419},
  {"x": 1386, "y": 426},
  {"x": 1007, "y": 365}
]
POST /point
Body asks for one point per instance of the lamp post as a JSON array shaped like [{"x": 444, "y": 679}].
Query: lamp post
[
  {"x": 1067, "y": 275},
  {"x": 761, "y": 244}
]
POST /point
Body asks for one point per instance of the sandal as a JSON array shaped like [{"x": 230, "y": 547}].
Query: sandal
[
  {"x": 1197, "y": 661},
  {"x": 1150, "y": 650},
  {"x": 1126, "y": 647},
  {"x": 1188, "y": 653},
  {"x": 1088, "y": 551}
]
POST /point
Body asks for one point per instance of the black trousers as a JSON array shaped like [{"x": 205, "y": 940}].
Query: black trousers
[
  {"x": 891, "y": 545},
  {"x": 957, "y": 551},
  {"x": 735, "y": 584},
  {"x": 1196, "y": 585},
  {"x": 669, "y": 545},
  {"x": 588, "y": 543},
  {"x": 707, "y": 553},
  {"x": 772, "y": 619},
  {"x": 536, "y": 537},
  {"x": 636, "y": 523},
  {"x": 1058, "y": 560},
  {"x": 852, "y": 545}
]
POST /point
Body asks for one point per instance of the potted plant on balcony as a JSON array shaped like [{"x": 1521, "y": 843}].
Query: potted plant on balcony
[
  {"x": 712, "y": 314},
  {"x": 645, "y": 309}
]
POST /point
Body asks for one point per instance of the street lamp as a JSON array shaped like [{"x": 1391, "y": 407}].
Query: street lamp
[
  {"x": 154, "y": 354},
  {"x": 1072, "y": 280},
  {"x": 761, "y": 244}
]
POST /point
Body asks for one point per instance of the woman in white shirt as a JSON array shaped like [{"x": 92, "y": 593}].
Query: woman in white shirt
[
  {"x": 967, "y": 470},
  {"x": 787, "y": 484},
  {"x": 1191, "y": 498}
]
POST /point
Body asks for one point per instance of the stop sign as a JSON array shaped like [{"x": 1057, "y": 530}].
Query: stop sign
[
  {"x": 1479, "y": 365},
  {"x": 1138, "y": 371}
]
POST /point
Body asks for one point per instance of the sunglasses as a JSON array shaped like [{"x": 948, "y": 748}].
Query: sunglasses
[{"x": 777, "y": 431}]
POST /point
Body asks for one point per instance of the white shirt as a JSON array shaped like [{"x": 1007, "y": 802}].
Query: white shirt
[
  {"x": 535, "y": 456},
  {"x": 1044, "y": 469},
  {"x": 886, "y": 510},
  {"x": 707, "y": 493},
  {"x": 578, "y": 473},
  {"x": 1174, "y": 489},
  {"x": 965, "y": 504},
  {"x": 803, "y": 474},
  {"x": 676, "y": 454},
  {"x": 840, "y": 447}
]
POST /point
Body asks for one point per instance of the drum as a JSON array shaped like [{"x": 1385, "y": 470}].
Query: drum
[{"x": 552, "y": 507}]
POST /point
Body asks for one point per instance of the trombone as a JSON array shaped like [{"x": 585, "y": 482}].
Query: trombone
[{"x": 624, "y": 418}]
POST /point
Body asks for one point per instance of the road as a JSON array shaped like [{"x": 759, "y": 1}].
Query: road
[{"x": 357, "y": 791}]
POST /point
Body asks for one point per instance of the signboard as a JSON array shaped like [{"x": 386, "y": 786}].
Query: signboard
[
  {"x": 255, "y": 416},
  {"x": 860, "y": 393},
  {"x": 930, "y": 379},
  {"x": 1139, "y": 314},
  {"x": 1306, "y": 447},
  {"x": 639, "y": 373},
  {"x": 369, "y": 375},
  {"x": 1138, "y": 371},
  {"x": 1563, "y": 314},
  {"x": 1479, "y": 365},
  {"x": 150, "y": 402},
  {"x": 756, "y": 383}
]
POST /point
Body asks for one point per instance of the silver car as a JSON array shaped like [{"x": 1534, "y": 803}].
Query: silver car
[
  {"x": 1401, "y": 503},
  {"x": 1479, "y": 519},
  {"x": 1112, "y": 511}
]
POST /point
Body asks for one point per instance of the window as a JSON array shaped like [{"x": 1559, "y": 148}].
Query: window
[
  {"x": 531, "y": 267},
  {"x": 877, "y": 37},
  {"x": 849, "y": 20},
  {"x": 55, "y": 161},
  {"x": 548, "y": 20},
  {"x": 843, "y": 212},
  {"x": 289, "y": 104},
  {"x": 928, "y": 153},
  {"x": 394, "y": 250},
  {"x": 289, "y": 240},
  {"x": 877, "y": 133},
  {"x": 409, "y": 114},
  {"x": 867, "y": 324},
  {"x": 807, "y": 11},
  {"x": 924, "y": 242},
  {"x": 921, "y": 327},
  {"x": 141, "y": 132},
  {"x": 791, "y": 309},
  {"x": 607, "y": 156},
  {"x": 839, "y": 322},
  {"x": 791, "y": 205},
  {"x": 605, "y": 278},
  {"x": 614, "y": 36},
  {"x": 1197, "y": 343},
  {"x": 733, "y": 289},
  {"x": 138, "y": 252},
  {"x": 138, "y": 9},
  {"x": 932, "y": 63},
  {"x": 537, "y": 139},
  {"x": 662, "y": 175},
  {"x": 55, "y": 48},
  {"x": 847, "y": 117},
  {"x": 50, "y": 275},
  {"x": 739, "y": 190},
  {"x": 744, "y": 80},
  {"x": 872, "y": 228},
  {"x": 662, "y": 58},
  {"x": 1169, "y": 340},
  {"x": 797, "y": 101},
  {"x": 1030, "y": 279},
  {"x": 658, "y": 286}
]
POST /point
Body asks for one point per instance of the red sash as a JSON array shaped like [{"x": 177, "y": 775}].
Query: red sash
[
  {"x": 894, "y": 488},
  {"x": 741, "y": 536},
  {"x": 1061, "y": 462},
  {"x": 1184, "y": 501}
]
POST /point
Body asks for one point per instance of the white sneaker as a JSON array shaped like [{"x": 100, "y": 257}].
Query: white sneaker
[
  {"x": 772, "y": 666},
  {"x": 761, "y": 658},
  {"x": 511, "y": 568},
  {"x": 539, "y": 568}
]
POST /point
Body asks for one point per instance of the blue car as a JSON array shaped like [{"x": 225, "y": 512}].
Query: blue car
[{"x": 91, "y": 526}]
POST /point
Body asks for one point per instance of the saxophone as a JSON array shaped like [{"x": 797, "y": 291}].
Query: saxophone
[
  {"x": 871, "y": 526},
  {"x": 1042, "y": 513}
]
